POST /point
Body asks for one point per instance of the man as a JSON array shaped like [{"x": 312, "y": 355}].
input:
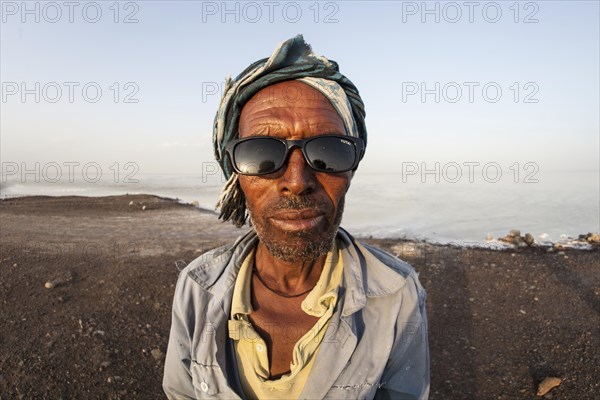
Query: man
[{"x": 296, "y": 308}]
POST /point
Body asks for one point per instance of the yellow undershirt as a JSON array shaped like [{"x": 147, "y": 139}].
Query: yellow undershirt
[{"x": 250, "y": 348}]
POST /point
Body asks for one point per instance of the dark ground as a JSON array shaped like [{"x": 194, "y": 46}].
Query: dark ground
[{"x": 499, "y": 321}]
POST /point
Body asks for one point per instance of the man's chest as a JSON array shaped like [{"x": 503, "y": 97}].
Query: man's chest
[
  {"x": 281, "y": 324},
  {"x": 282, "y": 328}
]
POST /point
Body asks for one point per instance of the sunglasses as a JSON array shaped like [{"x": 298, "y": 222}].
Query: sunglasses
[{"x": 260, "y": 155}]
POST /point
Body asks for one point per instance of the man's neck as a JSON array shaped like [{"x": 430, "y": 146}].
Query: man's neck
[{"x": 287, "y": 277}]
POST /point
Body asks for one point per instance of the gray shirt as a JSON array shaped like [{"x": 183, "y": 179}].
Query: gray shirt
[{"x": 375, "y": 345}]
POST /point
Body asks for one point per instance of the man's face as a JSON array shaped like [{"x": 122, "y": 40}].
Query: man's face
[{"x": 295, "y": 211}]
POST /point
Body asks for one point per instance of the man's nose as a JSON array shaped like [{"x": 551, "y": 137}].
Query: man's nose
[{"x": 298, "y": 177}]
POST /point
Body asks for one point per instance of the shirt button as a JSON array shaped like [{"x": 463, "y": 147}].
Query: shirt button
[
  {"x": 259, "y": 347},
  {"x": 204, "y": 387}
]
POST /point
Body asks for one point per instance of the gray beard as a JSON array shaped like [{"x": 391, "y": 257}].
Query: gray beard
[{"x": 300, "y": 247}]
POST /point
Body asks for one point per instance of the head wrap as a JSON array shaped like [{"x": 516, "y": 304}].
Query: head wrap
[{"x": 291, "y": 60}]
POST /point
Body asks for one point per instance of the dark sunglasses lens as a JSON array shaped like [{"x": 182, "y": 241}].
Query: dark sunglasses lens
[
  {"x": 331, "y": 154},
  {"x": 258, "y": 156}
]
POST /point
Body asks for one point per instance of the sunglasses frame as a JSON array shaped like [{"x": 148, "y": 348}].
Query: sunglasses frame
[{"x": 359, "y": 147}]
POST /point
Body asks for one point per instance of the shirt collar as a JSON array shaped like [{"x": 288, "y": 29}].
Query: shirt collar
[
  {"x": 217, "y": 274},
  {"x": 326, "y": 290},
  {"x": 316, "y": 303},
  {"x": 241, "y": 302}
]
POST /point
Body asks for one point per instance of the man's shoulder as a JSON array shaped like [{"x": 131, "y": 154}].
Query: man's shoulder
[
  {"x": 211, "y": 259},
  {"x": 208, "y": 267},
  {"x": 400, "y": 266},
  {"x": 389, "y": 260},
  {"x": 385, "y": 272},
  {"x": 408, "y": 283}
]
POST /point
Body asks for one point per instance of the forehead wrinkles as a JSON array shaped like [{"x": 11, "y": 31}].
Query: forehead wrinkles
[
  {"x": 290, "y": 106},
  {"x": 308, "y": 113},
  {"x": 291, "y": 121},
  {"x": 286, "y": 95},
  {"x": 289, "y": 92},
  {"x": 276, "y": 115}
]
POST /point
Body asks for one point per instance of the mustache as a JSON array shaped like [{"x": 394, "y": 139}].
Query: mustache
[{"x": 296, "y": 203}]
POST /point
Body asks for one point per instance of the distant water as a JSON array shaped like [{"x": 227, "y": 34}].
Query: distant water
[{"x": 381, "y": 205}]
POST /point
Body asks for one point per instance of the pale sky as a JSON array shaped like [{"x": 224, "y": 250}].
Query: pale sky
[{"x": 513, "y": 83}]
